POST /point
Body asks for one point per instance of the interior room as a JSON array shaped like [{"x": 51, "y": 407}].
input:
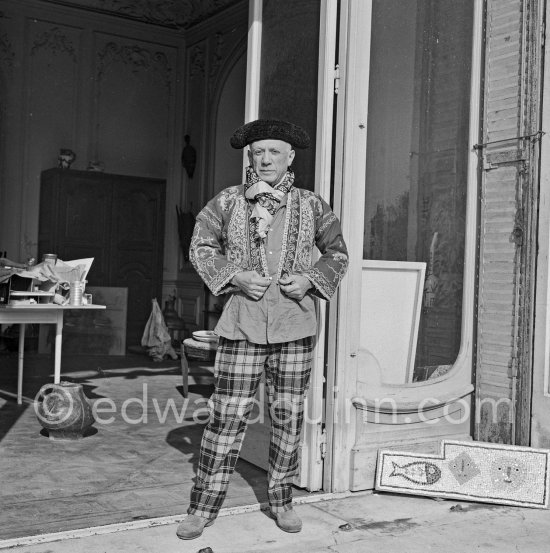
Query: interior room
[
  {"x": 115, "y": 119},
  {"x": 145, "y": 92}
]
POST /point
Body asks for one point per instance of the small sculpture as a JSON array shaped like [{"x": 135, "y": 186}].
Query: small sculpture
[{"x": 65, "y": 158}]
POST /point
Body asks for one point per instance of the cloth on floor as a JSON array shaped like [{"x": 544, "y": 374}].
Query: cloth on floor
[{"x": 156, "y": 337}]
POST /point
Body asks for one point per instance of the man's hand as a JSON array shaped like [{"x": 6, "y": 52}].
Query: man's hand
[
  {"x": 251, "y": 283},
  {"x": 295, "y": 286}
]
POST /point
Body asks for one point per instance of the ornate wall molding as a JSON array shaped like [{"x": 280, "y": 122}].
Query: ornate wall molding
[
  {"x": 197, "y": 61},
  {"x": 179, "y": 14},
  {"x": 217, "y": 56},
  {"x": 7, "y": 54},
  {"x": 138, "y": 58},
  {"x": 56, "y": 42}
]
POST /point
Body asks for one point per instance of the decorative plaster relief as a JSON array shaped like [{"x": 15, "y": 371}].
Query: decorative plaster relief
[
  {"x": 140, "y": 59},
  {"x": 180, "y": 14},
  {"x": 217, "y": 56},
  {"x": 165, "y": 12},
  {"x": 216, "y": 61},
  {"x": 197, "y": 61},
  {"x": 54, "y": 41},
  {"x": 7, "y": 55}
]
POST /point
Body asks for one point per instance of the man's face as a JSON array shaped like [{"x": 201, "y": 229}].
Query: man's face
[{"x": 270, "y": 159}]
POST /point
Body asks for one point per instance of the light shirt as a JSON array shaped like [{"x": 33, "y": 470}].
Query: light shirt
[{"x": 275, "y": 317}]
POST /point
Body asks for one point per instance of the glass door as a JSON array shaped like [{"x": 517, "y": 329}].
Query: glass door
[
  {"x": 417, "y": 163},
  {"x": 406, "y": 176}
]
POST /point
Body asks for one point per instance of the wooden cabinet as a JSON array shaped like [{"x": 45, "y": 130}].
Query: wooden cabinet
[{"x": 116, "y": 219}]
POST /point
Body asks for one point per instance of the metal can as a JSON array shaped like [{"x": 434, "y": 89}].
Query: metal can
[
  {"x": 50, "y": 258},
  {"x": 76, "y": 290}
]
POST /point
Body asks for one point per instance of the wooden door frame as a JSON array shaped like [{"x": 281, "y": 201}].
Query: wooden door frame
[
  {"x": 532, "y": 184},
  {"x": 540, "y": 405},
  {"x": 349, "y": 162}
]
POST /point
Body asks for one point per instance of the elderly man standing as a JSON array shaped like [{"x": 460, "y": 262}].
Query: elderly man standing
[{"x": 256, "y": 243}]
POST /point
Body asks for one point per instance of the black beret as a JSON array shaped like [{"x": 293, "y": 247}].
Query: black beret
[{"x": 264, "y": 129}]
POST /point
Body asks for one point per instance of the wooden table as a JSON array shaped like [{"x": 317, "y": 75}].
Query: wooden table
[{"x": 39, "y": 313}]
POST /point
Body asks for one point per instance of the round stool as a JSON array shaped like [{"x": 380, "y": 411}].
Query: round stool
[{"x": 193, "y": 349}]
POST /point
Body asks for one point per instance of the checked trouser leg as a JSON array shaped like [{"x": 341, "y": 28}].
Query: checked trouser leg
[
  {"x": 288, "y": 369},
  {"x": 239, "y": 366}
]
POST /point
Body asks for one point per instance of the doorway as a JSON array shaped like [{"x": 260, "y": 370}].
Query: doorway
[
  {"x": 287, "y": 79},
  {"x": 282, "y": 81}
]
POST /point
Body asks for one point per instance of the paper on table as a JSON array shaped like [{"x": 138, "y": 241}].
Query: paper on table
[
  {"x": 85, "y": 263},
  {"x": 61, "y": 273}
]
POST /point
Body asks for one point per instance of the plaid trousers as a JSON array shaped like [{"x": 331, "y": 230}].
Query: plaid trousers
[{"x": 238, "y": 369}]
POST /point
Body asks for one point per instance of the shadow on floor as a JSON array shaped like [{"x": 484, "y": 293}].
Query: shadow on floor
[
  {"x": 125, "y": 470},
  {"x": 10, "y": 413}
]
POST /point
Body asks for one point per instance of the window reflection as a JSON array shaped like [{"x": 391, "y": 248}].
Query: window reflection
[{"x": 417, "y": 158}]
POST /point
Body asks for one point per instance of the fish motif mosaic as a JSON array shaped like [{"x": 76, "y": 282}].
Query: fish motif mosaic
[{"x": 418, "y": 472}]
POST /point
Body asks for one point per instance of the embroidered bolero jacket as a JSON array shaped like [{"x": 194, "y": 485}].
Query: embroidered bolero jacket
[{"x": 222, "y": 244}]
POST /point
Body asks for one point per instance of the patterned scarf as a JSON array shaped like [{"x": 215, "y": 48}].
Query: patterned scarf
[{"x": 266, "y": 200}]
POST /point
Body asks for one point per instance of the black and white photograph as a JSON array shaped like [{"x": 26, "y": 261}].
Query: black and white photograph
[{"x": 274, "y": 276}]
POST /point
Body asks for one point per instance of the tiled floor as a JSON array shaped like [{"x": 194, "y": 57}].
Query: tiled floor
[{"x": 139, "y": 465}]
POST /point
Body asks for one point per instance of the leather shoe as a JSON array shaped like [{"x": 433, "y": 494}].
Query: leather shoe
[
  {"x": 192, "y": 526},
  {"x": 288, "y": 521}
]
